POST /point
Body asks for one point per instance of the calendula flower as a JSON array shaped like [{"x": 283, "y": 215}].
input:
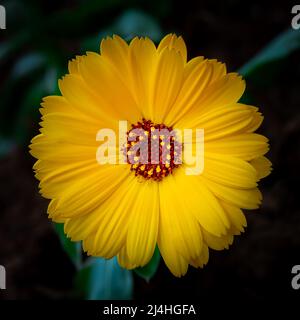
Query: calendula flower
[{"x": 125, "y": 210}]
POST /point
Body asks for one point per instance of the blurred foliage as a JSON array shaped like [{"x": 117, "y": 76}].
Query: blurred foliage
[
  {"x": 73, "y": 249},
  {"x": 262, "y": 67},
  {"x": 130, "y": 24},
  {"x": 39, "y": 40},
  {"x": 96, "y": 278},
  {"x": 34, "y": 49},
  {"x": 104, "y": 279}
]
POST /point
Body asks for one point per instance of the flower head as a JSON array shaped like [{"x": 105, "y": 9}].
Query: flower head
[{"x": 125, "y": 210}]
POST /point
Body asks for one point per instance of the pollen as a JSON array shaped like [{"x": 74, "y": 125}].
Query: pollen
[{"x": 160, "y": 143}]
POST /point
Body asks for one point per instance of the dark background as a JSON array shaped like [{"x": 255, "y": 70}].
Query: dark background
[{"x": 258, "y": 265}]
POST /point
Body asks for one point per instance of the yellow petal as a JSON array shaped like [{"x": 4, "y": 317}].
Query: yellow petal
[
  {"x": 78, "y": 94},
  {"x": 69, "y": 128},
  {"x": 84, "y": 195},
  {"x": 74, "y": 65},
  {"x": 142, "y": 63},
  {"x": 52, "y": 104},
  {"x": 200, "y": 202},
  {"x": 257, "y": 119},
  {"x": 168, "y": 79},
  {"x": 124, "y": 260},
  {"x": 143, "y": 224},
  {"x": 223, "y": 121},
  {"x": 263, "y": 166},
  {"x": 217, "y": 243},
  {"x": 227, "y": 90},
  {"x": 243, "y": 198},
  {"x": 202, "y": 260},
  {"x": 229, "y": 171},
  {"x": 53, "y": 150},
  {"x": 109, "y": 88},
  {"x": 173, "y": 260},
  {"x": 191, "y": 66},
  {"x": 235, "y": 216},
  {"x": 171, "y": 41},
  {"x": 219, "y": 70},
  {"x": 182, "y": 225},
  {"x": 115, "y": 51},
  {"x": 246, "y": 146},
  {"x": 197, "y": 75},
  {"x": 105, "y": 229},
  {"x": 112, "y": 232},
  {"x": 56, "y": 178}
]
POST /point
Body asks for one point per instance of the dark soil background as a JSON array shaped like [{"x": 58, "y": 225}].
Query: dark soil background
[{"x": 258, "y": 265}]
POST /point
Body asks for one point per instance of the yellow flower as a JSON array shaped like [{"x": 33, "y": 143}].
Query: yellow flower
[{"x": 126, "y": 210}]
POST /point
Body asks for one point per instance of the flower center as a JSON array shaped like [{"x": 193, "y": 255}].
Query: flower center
[{"x": 152, "y": 150}]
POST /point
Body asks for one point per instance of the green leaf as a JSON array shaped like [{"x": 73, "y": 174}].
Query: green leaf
[
  {"x": 148, "y": 271},
  {"x": 73, "y": 249},
  {"x": 279, "y": 48},
  {"x": 104, "y": 279}
]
